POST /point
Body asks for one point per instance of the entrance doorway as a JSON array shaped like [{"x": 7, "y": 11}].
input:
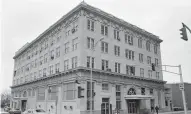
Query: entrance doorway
[
  {"x": 23, "y": 105},
  {"x": 106, "y": 107},
  {"x": 132, "y": 106}
]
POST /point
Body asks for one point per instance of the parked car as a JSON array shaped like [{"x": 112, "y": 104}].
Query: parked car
[
  {"x": 34, "y": 111},
  {"x": 15, "y": 111},
  {"x": 177, "y": 109}
]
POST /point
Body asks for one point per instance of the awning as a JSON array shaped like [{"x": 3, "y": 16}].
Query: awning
[{"x": 139, "y": 97}]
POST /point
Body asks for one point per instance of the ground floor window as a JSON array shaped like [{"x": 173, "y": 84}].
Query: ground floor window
[
  {"x": 69, "y": 91},
  {"x": 41, "y": 93},
  {"x": 88, "y": 95},
  {"x": 52, "y": 93}
]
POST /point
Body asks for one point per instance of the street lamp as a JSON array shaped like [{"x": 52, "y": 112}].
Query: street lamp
[{"x": 91, "y": 69}]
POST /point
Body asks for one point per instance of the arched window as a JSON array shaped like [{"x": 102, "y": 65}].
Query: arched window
[
  {"x": 131, "y": 91},
  {"x": 25, "y": 94}
]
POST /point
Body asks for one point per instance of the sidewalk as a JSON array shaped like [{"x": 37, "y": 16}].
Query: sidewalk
[{"x": 175, "y": 112}]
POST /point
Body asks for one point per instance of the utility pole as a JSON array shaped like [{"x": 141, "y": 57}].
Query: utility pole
[{"x": 183, "y": 93}]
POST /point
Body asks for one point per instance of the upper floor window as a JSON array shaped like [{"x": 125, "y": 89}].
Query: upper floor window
[
  {"x": 157, "y": 75},
  {"x": 142, "y": 91},
  {"x": 41, "y": 93},
  {"x": 148, "y": 60},
  {"x": 130, "y": 39},
  {"x": 66, "y": 47},
  {"x": 90, "y": 43},
  {"x": 156, "y": 62},
  {"x": 40, "y": 73},
  {"x": 104, "y": 47},
  {"x": 75, "y": 44},
  {"x": 150, "y": 73},
  {"x": 44, "y": 72},
  {"x": 66, "y": 65},
  {"x": 51, "y": 69},
  {"x": 140, "y": 57},
  {"x": 151, "y": 91},
  {"x": 41, "y": 60},
  {"x": 129, "y": 54},
  {"x": 117, "y": 67},
  {"x": 57, "y": 67},
  {"x": 58, "y": 38},
  {"x": 141, "y": 72},
  {"x": 88, "y": 61},
  {"x": 155, "y": 49},
  {"x": 104, "y": 64},
  {"x": 45, "y": 58},
  {"x": 130, "y": 70},
  {"x": 105, "y": 87},
  {"x": 148, "y": 46},
  {"x": 90, "y": 25},
  {"x": 117, "y": 50},
  {"x": 116, "y": 35},
  {"x": 74, "y": 62},
  {"x": 140, "y": 43},
  {"x": 58, "y": 51},
  {"x": 52, "y": 54},
  {"x": 104, "y": 30}
]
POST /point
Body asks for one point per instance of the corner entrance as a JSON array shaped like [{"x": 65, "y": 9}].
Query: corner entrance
[
  {"x": 133, "y": 106},
  {"x": 23, "y": 105}
]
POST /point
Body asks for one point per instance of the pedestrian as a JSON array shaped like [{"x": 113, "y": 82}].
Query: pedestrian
[
  {"x": 157, "y": 109},
  {"x": 152, "y": 108}
]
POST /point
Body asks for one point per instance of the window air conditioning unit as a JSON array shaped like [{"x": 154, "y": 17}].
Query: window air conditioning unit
[
  {"x": 109, "y": 69},
  {"x": 52, "y": 57},
  {"x": 73, "y": 30}
]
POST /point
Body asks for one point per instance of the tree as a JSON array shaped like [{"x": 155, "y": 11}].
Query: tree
[{"x": 5, "y": 98}]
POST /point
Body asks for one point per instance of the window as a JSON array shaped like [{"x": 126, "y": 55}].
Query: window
[
  {"x": 74, "y": 62},
  {"x": 118, "y": 96},
  {"x": 33, "y": 92},
  {"x": 90, "y": 43},
  {"x": 140, "y": 57},
  {"x": 58, "y": 52},
  {"x": 131, "y": 91},
  {"x": 150, "y": 73},
  {"x": 126, "y": 38},
  {"x": 117, "y": 67},
  {"x": 140, "y": 45},
  {"x": 41, "y": 60},
  {"x": 57, "y": 67},
  {"x": 35, "y": 64},
  {"x": 104, "y": 30},
  {"x": 116, "y": 35},
  {"x": 88, "y": 61},
  {"x": 129, "y": 54},
  {"x": 66, "y": 47},
  {"x": 130, "y": 39},
  {"x": 52, "y": 54},
  {"x": 90, "y": 24},
  {"x": 88, "y": 95},
  {"x": 69, "y": 91},
  {"x": 157, "y": 75},
  {"x": 35, "y": 75},
  {"x": 104, "y": 64},
  {"x": 148, "y": 46},
  {"x": 53, "y": 93},
  {"x": 51, "y": 69},
  {"x": 41, "y": 93},
  {"x": 130, "y": 70},
  {"x": 75, "y": 44},
  {"x": 156, "y": 62},
  {"x": 44, "y": 72},
  {"x": 105, "y": 87},
  {"x": 46, "y": 44},
  {"x": 66, "y": 65},
  {"x": 142, "y": 91},
  {"x": 40, "y": 74},
  {"x": 148, "y": 60},
  {"x": 117, "y": 50},
  {"x": 151, "y": 91},
  {"x": 52, "y": 42},
  {"x": 29, "y": 92},
  {"x": 155, "y": 49},
  {"x": 104, "y": 47},
  {"x": 45, "y": 58},
  {"x": 58, "y": 38},
  {"x": 141, "y": 72}
]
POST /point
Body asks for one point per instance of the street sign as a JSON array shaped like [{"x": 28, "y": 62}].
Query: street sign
[{"x": 181, "y": 86}]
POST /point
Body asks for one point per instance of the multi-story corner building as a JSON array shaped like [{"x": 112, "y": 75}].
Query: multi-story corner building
[
  {"x": 174, "y": 99},
  {"x": 121, "y": 55}
]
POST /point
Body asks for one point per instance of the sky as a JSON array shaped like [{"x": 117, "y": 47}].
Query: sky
[{"x": 23, "y": 20}]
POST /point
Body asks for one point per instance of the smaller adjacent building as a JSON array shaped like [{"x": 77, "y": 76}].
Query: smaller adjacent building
[{"x": 173, "y": 96}]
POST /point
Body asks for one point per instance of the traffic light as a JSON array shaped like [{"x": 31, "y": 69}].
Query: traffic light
[
  {"x": 183, "y": 33},
  {"x": 153, "y": 67},
  {"x": 80, "y": 89}
]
